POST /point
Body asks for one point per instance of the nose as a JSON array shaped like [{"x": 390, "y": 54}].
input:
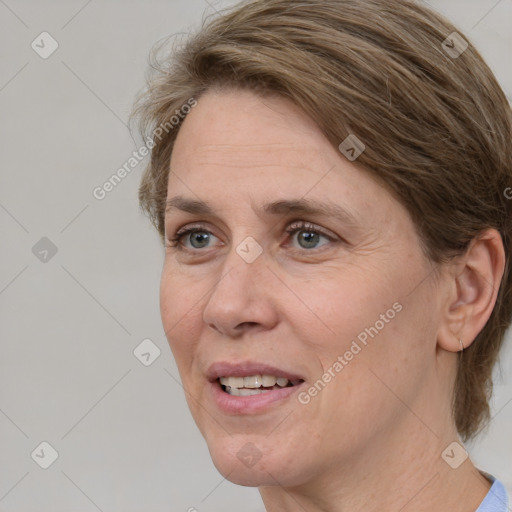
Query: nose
[{"x": 242, "y": 297}]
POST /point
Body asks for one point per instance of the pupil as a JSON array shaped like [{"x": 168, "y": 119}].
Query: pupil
[
  {"x": 309, "y": 237},
  {"x": 197, "y": 236}
]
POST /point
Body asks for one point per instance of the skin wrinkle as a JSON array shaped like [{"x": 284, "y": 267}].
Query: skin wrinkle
[{"x": 372, "y": 438}]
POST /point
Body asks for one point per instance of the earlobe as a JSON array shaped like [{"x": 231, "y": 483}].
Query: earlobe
[{"x": 475, "y": 281}]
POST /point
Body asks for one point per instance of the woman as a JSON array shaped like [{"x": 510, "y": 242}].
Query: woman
[{"x": 329, "y": 179}]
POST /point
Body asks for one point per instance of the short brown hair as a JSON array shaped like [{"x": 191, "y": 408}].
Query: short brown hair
[{"x": 437, "y": 127}]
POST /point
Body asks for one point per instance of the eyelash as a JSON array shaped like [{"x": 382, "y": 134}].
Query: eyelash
[{"x": 295, "y": 227}]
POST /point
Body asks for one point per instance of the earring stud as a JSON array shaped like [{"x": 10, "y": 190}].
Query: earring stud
[{"x": 461, "y": 345}]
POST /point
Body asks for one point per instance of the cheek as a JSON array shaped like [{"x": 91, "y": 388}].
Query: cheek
[
  {"x": 386, "y": 355},
  {"x": 336, "y": 305},
  {"x": 179, "y": 295},
  {"x": 369, "y": 318},
  {"x": 180, "y": 312}
]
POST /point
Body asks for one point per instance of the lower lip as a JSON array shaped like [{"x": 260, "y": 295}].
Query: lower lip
[{"x": 249, "y": 404}]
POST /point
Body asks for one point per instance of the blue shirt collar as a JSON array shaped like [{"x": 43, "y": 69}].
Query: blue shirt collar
[{"x": 496, "y": 499}]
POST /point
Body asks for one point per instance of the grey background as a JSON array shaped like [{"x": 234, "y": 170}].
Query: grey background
[{"x": 69, "y": 325}]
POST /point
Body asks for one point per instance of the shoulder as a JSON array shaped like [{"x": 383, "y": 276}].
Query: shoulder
[{"x": 497, "y": 499}]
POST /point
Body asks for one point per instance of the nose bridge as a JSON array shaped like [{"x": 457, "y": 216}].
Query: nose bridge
[
  {"x": 239, "y": 295},
  {"x": 241, "y": 268}
]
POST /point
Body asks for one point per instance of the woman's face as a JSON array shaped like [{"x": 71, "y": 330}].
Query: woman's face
[{"x": 340, "y": 302}]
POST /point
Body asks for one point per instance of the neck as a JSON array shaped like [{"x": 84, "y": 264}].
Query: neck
[{"x": 409, "y": 475}]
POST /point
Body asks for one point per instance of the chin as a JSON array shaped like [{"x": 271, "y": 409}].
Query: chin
[
  {"x": 249, "y": 461},
  {"x": 248, "y": 477}
]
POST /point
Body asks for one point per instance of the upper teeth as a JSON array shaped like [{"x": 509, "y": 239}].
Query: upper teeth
[{"x": 254, "y": 381}]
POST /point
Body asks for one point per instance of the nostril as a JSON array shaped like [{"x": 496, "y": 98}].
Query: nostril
[{"x": 248, "y": 324}]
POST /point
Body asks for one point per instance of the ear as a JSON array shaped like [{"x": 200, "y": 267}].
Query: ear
[{"x": 473, "y": 287}]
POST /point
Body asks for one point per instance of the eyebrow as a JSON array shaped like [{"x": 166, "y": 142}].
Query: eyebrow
[{"x": 281, "y": 207}]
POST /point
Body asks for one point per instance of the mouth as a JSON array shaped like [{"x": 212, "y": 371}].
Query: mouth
[
  {"x": 250, "y": 387},
  {"x": 255, "y": 384}
]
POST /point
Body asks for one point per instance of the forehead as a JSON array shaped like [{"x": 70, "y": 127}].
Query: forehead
[
  {"x": 235, "y": 127},
  {"x": 258, "y": 154},
  {"x": 250, "y": 166},
  {"x": 235, "y": 146},
  {"x": 237, "y": 137}
]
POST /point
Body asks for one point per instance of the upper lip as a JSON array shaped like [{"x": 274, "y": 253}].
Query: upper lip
[{"x": 247, "y": 368}]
